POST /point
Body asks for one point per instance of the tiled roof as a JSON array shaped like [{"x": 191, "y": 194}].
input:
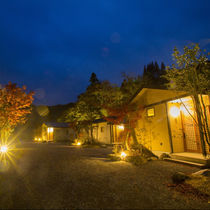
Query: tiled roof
[
  {"x": 103, "y": 120},
  {"x": 57, "y": 124}
]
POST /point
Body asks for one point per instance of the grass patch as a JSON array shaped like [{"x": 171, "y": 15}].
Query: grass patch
[
  {"x": 202, "y": 183},
  {"x": 189, "y": 191},
  {"x": 94, "y": 145},
  {"x": 64, "y": 142}
]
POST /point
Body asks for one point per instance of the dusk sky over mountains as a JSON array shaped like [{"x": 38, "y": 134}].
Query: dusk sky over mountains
[{"x": 53, "y": 46}]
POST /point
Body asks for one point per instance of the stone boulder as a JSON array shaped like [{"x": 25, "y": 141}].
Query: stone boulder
[
  {"x": 204, "y": 172},
  {"x": 179, "y": 177}
]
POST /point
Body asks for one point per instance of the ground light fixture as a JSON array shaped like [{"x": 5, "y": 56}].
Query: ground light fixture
[
  {"x": 37, "y": 139},
  {"x": 3, "y": 149},
  {"x": 78, "y": 143},
  {"x": 123, "y": 155}
]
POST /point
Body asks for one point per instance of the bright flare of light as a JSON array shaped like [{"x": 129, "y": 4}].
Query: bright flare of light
[
  {"x": 78, "y": 143},
  {"x": 187, "y": 110},
  {"x": 174, "y": 111},
  {"x": 49, "y": 130},
  {"x": 123, "y": 155},
  {"x": 120, "y": 127},
  {"x": 3, "y": 149}
]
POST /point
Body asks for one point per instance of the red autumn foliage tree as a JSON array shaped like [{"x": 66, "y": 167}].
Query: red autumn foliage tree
[
  {"x": 128, "y": 114},
  {"x": 15, "y": 105}
]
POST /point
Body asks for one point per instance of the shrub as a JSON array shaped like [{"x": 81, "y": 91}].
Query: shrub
[
  {"x": 117, "y": 148},
  {"x": 136, "y": 160},
  {"x": 140, "y": 150}
]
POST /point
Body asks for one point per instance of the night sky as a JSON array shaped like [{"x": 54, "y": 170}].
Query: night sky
[{"x": 53, "y": 46}]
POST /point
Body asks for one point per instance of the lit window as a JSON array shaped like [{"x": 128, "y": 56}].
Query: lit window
[
  {"x": 150, "y": 112},
  {"x": 49, "y": 130},
  {"x": 120, "y": 127}
]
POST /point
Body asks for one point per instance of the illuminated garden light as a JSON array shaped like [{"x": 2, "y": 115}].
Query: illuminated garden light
[
  {"x": 78, "y": 143},
  {"x": 3, "y": 149},
  {"x": 123, "y": 155}
]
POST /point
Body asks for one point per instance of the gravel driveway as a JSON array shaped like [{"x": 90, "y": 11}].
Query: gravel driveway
[{"x": 56, "y": 176}]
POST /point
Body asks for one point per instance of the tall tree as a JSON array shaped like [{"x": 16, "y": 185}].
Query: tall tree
[
  {"x": 87, "y": 109},
  {"x": 130, "y": 86},
  {"x": 152, "y": 76},
  {"x": 15, "y": 105},
  {"x": 93, "y": 79},
  {"x": 82, "y": 116},
  {"x": 191, "y": 73}
]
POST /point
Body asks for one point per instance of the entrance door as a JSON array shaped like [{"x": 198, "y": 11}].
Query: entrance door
[{"x": 190, "y": 134}]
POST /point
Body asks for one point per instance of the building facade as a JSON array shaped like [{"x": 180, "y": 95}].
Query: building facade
[
  {"x": 168, "y": 121},
  {"x": 106, "y": 132},
  {"x": 57, "y": 132}
]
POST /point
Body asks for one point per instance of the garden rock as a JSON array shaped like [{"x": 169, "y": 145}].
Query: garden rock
[
  {"x": 204, "y": 172},
  {"x": 164, "y": 155},
  {"x": 152, "y": 158},
  {"x": 179, "y": 177}
]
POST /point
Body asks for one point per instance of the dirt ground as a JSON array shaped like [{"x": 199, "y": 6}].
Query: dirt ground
[{"x": 54, "y": 176}]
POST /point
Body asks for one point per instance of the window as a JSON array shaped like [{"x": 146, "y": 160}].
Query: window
[
  {"x": 102, "y": 129},
  {"x": 151, "y": 112},
  {"x": 49, "y": 130}
]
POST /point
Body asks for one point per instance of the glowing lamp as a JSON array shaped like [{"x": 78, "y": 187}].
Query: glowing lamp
[
  {"x": 120, "y": 127},
  {"x": 49, "y": 130},
  {"x": 174, "y": 111},
  {"x": 78, "y": 143},
  {"x": 3, "y": 149},
  {"x": 123, "y": 155}
]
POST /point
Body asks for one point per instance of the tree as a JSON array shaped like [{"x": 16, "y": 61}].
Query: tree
[
  {"x": 191, "y": 73},
  {"x": 152, "y": 76},
  {"x": 82, "y": 116},
  {"x": 93, "y": 79},
  {"x": 15, "y": 105},
  {"x": 86, "y": 110},
  {"x": 130, "y": 86}
]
